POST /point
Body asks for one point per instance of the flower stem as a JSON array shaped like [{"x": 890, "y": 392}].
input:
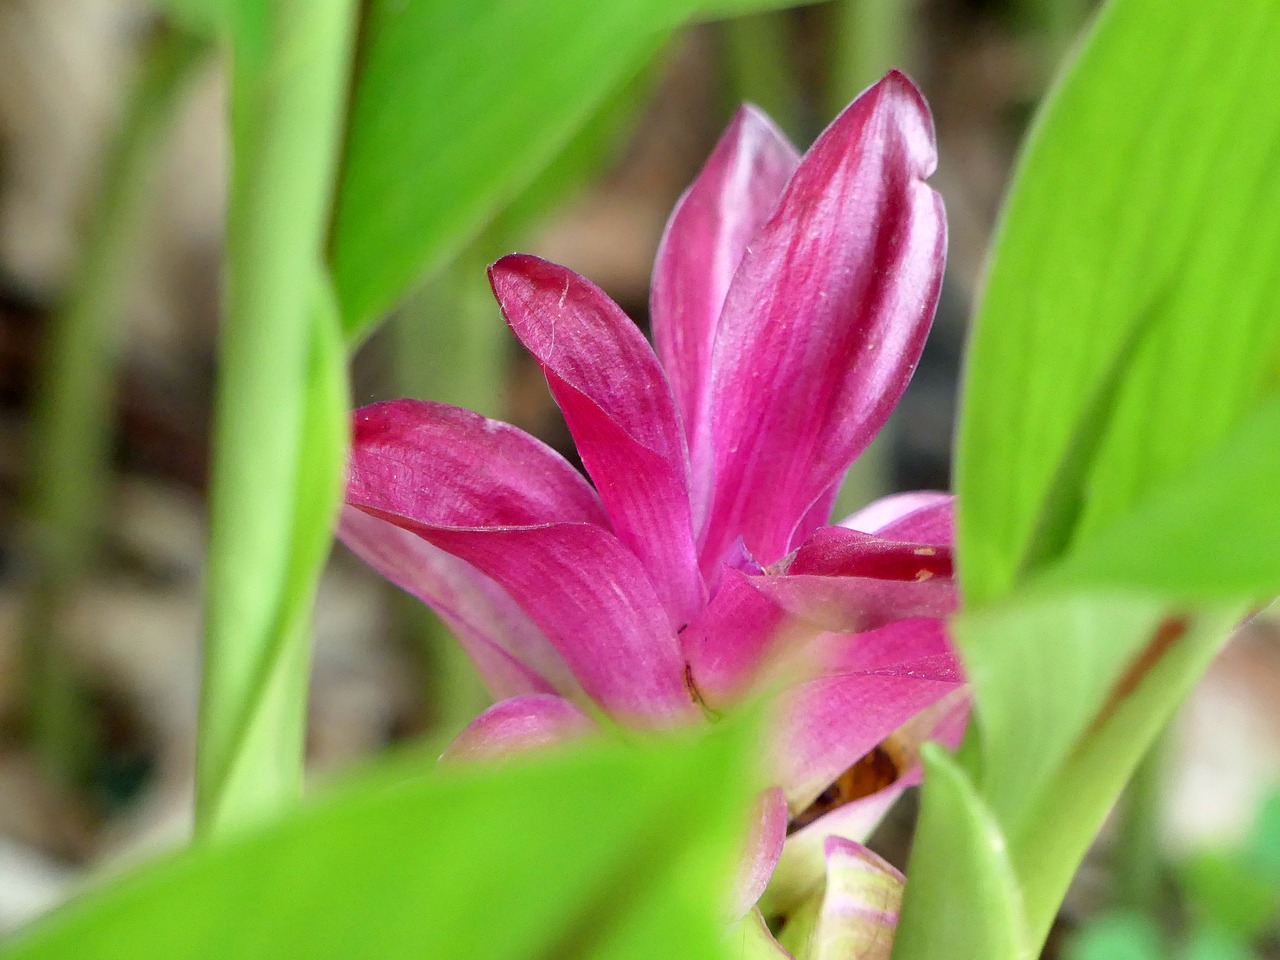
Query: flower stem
[
  {"x": 1138, "y": 864},
  {"x": 279, "y": 410},
  {"x": 757, "y": 58},
  {"x": 869, "y": 38},
  {"x": 70, "y": 441}
]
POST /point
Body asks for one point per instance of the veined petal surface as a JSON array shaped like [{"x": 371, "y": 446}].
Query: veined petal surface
[
  {"x": 511, "y": 654},
  {"x": 494, "y": 497},
  {"x": 859, "y": 913},
  {"x": 708, "y": 232},
  {"x": 618, "y": 406},
  {"x": 825, "y": 319}
]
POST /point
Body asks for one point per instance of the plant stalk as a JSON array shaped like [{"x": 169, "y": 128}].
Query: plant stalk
[
  {"x": 70, "y": 443},
  {"x": 279, "y": 401}
]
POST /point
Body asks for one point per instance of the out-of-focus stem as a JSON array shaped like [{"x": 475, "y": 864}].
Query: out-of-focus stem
[
  {"x": 869, "y": 38},
  {"x": 1138, "y": 866},
  {"x": 269, "y": 518},
  {"x": 70, "y": 442},
  {"x": 759, "y": 68},
  {"x": 451, "y": 346}
]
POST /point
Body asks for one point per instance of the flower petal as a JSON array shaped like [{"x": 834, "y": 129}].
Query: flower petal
[
  {"x": 615, "y": 399},
  {"x": 801, "y": 866},
  {"x": 490, "y": 495},
  {"x": 764, "y": 846},
  {"x": 923, "y": 516},
  {"x": 755, "y": 623},
  {"x": 832, "y": 722},
  {"x": 726, "y": 646},
  {"x": 825, "y": 319},
  {"x": 510, "y": 652},
  {"x": 859, "y": 914},
  {"x": 708, "y": 233},
  {"x": 519, "y": 725},
  {"x": 436, "y": 460}
]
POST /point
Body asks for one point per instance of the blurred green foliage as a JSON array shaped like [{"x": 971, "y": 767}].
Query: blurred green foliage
[{"x": 607, "y": 850}]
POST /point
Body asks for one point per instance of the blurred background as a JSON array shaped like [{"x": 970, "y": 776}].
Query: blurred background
[{"x": 112, "y": 187}]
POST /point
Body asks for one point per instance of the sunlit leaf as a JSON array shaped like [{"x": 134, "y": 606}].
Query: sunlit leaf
[
  {"x": 1131, "y": 319},
  {"x": 455, "y": 108},
  {"x": 961, "y": 890},
  {"x": 612, "y": 851}
]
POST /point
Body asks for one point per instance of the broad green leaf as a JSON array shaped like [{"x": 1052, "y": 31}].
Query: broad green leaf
[
  {"x": 1118, "y": 936},
  {"x": 1225, "y": 501},
  {"x": 1042, "y": 669},
  {"x": 1049, "y": 830},
  {"x": 610, "y": 851},
  {"x": 961, "y": 890},
  {"x": 455, "y": 108},
  {"x": 1131, "y": 319}
]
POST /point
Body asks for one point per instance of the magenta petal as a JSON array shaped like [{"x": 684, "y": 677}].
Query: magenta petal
[
  {"x": 840, "y": 552},
  {"x": 442, "y": 464},
  {"x": 490, "y": 495},
  {"x": 835, "y": 720},
  {"x": 616, "y": 401},
  {"x": 519, "y": 725},
  {"x": 844, "y": 604},
  {"x": 825, "y": 319},
  {"x": 510, "y": 652},
  {"x": 705, "y": 239},
  {"x": 764, "y": 846},
  {"x": 727, "y": 645},
  {"x": 922, "y": 516}
]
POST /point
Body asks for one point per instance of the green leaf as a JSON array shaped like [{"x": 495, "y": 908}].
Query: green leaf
[
  {"x": 961, "y": 890},
  {"x": 455, "y": 108},
  {"x": 1224, "y": 500},
  {"x": 610, "y": 851},
  {"x": 1042, "y": 669},
  {"x": 1131, "y": 319},
  {"x": 1223, "y": 889},
  {"x": 1049, "y": 830},
  {"x": 1118, "y": 936}
]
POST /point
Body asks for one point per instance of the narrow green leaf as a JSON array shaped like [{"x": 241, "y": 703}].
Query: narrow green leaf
[
  {"x": 275, "y": 414},
  {"x": 1143, "y": 220},
  {"x": 437, "y": 145},
  {"x": 610, "y": 851},
  {"x": 265, "y": 735},
  {"x": 961, "y": 890}
]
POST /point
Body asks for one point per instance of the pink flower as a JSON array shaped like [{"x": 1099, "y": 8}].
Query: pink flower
[{"x": 791, "y": 298}]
